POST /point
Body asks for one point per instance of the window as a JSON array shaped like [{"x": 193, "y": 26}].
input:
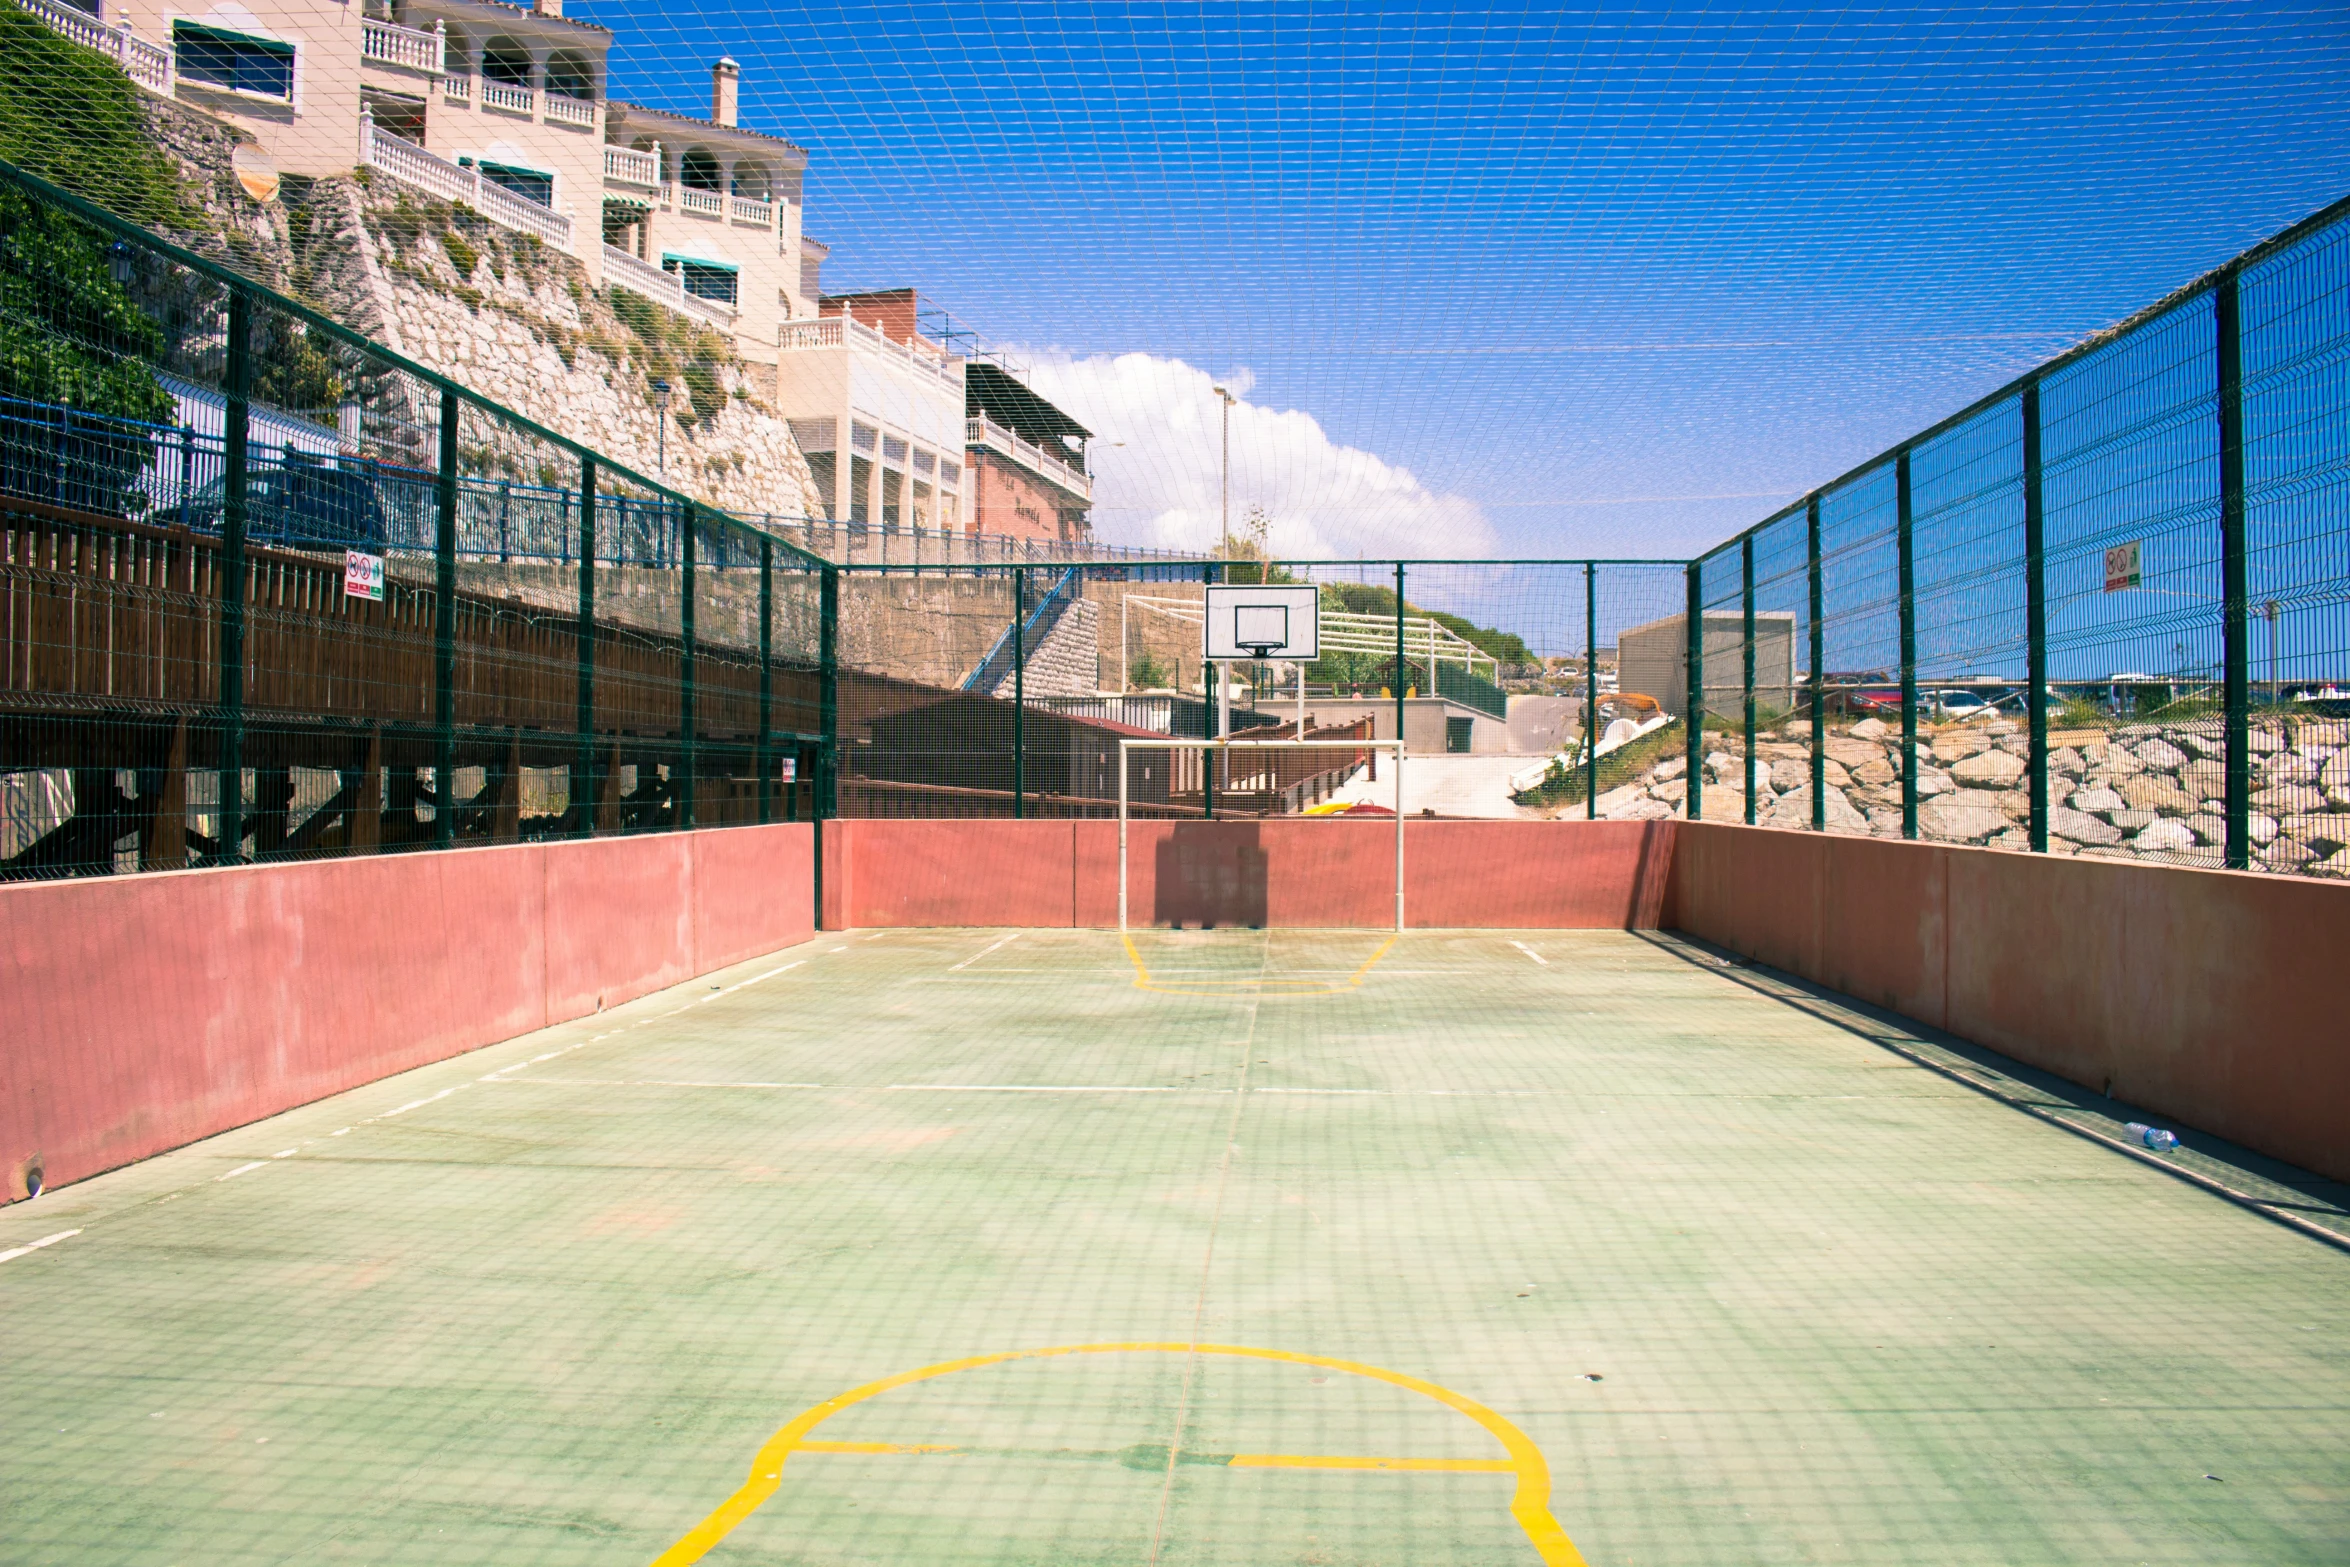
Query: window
[
  {"x": 530, "y": 184},
  {"x": 235, "y": 61},
  {"x": 861, "y": 436},
  {"x": 703, "y": 279},
  {"x": 893, "y": 451}
]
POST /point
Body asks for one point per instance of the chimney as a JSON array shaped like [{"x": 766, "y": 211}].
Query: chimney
[
  {"x": 547, "y": 7},
  {"x": 726, "y": 79}
]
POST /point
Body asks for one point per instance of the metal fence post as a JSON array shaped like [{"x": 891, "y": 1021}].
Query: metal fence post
[
  {"x": 2236, "y": 642},
  {"x": 762, "y": 763},
  {"x": 1694, "y": 625},
  {"x": 1903, "y": 545},
  {"x": 1207, "y": 759},
  {"x": 583, "y": 767},
  {"x": 1590, "y": 691},
  {"x": 2035, "y": 622},
  {"x": 1019, "y": 692},
  {"x": 685, "y": 666},
  {"x": 1401, "y": 670},
  {"x": 229, "y": 848},
  {"x": 1746, "y": 607},
  {"x": 1817, "y": 583},
  {"x": 444, "y": 635},
  {"x": 827, "y": 791}
]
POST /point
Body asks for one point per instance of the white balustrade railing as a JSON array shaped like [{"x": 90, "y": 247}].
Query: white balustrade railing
[
  {"x": 457, "y": 87},
  {"x": 627, "y": 166},
  {"x": 148, "y": 64},
  {"x": 623, "y": 270},
  {"x": 437, "y": 176},
  {"x": 744, "y": 209},
  {"x": 986, "y": 432},
  {"x": 390, "y": 44},
  {"x": 834, "y": 331},
  {"x": 508, "y": 98},
  {"x": 570, "y": 111},
  {"x": 707, "y": 202}
]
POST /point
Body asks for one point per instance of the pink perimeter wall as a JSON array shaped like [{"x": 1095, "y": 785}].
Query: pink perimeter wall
[
  {"x": 145, "y": 1012},
  {"x": 2210, "y": 997},
  {"x": 1285, "y": 873}
]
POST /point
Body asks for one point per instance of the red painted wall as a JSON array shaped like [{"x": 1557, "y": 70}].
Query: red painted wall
[
  {"x": 2210, "y": 997},
  {"x": 148, "y": 1011},
  {"x": 1289, "y": 874}
]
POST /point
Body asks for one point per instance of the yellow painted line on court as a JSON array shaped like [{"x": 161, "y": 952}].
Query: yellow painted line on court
[
  {"x": 1251, "y": 984},
  {"x": 1327, "y": 1461},
  {"x": 876, "y": 1447},
  {"x": 1529, "y": 1504}
]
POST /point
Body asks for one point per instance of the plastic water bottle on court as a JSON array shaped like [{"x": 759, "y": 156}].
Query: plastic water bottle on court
[{"x": 2154, "y": 1137}]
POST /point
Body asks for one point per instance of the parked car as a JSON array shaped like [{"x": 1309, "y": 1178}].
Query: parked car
[
  {"x": 1958, "y": 706},
  {"x": 305, "y": 502},
  {"x": 1876, "y": 699}
]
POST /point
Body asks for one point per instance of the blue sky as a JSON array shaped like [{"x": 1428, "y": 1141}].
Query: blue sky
[{"x": 1616, "y": 280}]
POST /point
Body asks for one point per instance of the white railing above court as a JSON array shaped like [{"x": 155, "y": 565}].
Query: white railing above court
[
  {"x": 623, "y": 270},
  {"x": 388, "y": 43},
  {"x": 148, "y": 64},
  {"x": 986, "y": 432},
  {"x": 627, "y": 166},
  {"x": 437, "y": 176},
  {"x": 837, "y": 331}
]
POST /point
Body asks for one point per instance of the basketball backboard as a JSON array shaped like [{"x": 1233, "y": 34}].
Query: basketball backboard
[{"x": 1262, "y": 622}]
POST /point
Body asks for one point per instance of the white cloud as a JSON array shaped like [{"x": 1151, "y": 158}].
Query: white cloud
[{"x": 1161, "y": 486}]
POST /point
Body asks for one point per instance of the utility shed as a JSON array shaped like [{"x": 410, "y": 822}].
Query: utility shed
[{"x": 1655, "y": 661}]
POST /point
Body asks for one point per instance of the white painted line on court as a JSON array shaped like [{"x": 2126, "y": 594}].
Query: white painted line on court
[
  {"x": 1530, "y": 952},
  {"x": 32, "y": 1246},
  {"x": 642, "y": 1082},
  {"x": 755, "y": 978},
  {"x": 416, "y": 1104},
  {"x": 984, "y": 951},
  {"x": 241, "y": 1169},
  {"x": 1038, "y": 1088}
]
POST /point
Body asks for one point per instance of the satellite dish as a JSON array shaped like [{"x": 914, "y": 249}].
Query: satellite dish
[{"x": 256, "y": 171}]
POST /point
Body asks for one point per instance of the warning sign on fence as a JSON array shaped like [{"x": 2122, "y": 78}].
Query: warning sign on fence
[
  {"x": 2121, "y": 567},
  {"x": 363, "y": 576}
]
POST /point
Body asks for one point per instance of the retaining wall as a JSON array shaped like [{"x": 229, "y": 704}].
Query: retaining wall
[
  {"x": 2213, "y": 998},
  {"x": 145, "y": 1012}
]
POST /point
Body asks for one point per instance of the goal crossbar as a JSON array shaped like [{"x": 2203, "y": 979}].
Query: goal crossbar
[{"x": 1130, "y": 744}]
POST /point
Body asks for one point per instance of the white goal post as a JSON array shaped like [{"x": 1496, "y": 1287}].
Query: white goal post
[{"x": 1130, "y": 744}]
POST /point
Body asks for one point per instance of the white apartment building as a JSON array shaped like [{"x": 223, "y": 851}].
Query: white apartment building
[{"x": 502, "y": 107}]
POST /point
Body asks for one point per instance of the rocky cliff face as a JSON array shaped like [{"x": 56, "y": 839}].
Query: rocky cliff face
[{"x": 490, "y": 308}]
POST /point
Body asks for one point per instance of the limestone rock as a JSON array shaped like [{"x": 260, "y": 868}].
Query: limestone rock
[
  {"x": 1933, "y": 783},
  {"x": 2079, "y": 826},
  {"x": 2284, "y": 767},
  {"x": 2322, "y": 833},
  {"x": 1877, "y": 771},
  {"x": 1869, "y": 729},
  {"x": 2160, "y": 755},
  {"x": 1672, "y": 791},
  {"x": 2204, "y": 779},
  {"x": 2262, "y": 741},
  {"x": 1789, "y": 774},
  {"x": 1958, "y": 823},
  {"x": 2209, "y": 828},
  {"x": 2131, "y": 821},
  {"x": 1959, "y": 746},
  {"x": 2286, "y": 855},
  {"x": 2263, "y": 829},
  {"x": 2099, "y": 800},
  {"x": 1640, "y": 811},
  {"x": 2290, "y": 799},
  {"x": 2150, "y": 793},
  {"x": 1834, "y": 772},
  {"x": 2335, "y": 864},
  {"x": 2015, "y": 805},
  {"x": 1856, "y": 753},
  {"x": 2000, "y": 727},
  {"x": 2164, "y": 837},
  {"x": 2065, "y": 762},
  {"x": 1987, "y": 767},
  {"x": 1614, "y": 799},
  {"x": 1723, "y": 805},
  {"x": 1670, "y": 767}
]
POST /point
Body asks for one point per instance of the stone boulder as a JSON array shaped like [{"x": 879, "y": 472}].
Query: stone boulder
[
  {"x": 1856, "y": 753},
  {"x": 1789, "y": 774},
  {"x": 1640, "y": 811},
  {"x": 2160, "y": 755},
  {"x": 1997, "y": 767},
  {"x": 1958, "y": 823},
  {"x": 2098, "y": 800},
  {"x": 2290, "y": 799},
  {"x": 1959, "y": 746},
  {"x": 1870, "y": 729},
  {"x": 2209, "y": 828},
  {"x": 2150, "y": 793},
  {"x": 1615, "y": 800},
  {"x": 2164, "y": 837},
  {"x": 2065, "y": 762},
  {"x": 2080, "y": 827}
]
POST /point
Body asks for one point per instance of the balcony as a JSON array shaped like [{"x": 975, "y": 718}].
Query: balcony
[
  {"x": 702, "y": 203},
  {"x": 148, "y": 64},
  {"x": 560, "y": 110},
  {"x": 384, "y": 43},
  {"x": 626, "y": 166},
  {"x": 507, "y": 98},
  {"x": 744, "y": 209},
  {"x": 622, "y": 270},
  {"x": 457, "y": 87},
  {"x": 845, "y": 331},
  {"x": 436, "y": 176},
  {"x": 1055, "y": 470}
]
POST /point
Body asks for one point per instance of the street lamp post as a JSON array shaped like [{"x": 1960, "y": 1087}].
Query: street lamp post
[
  {"x": 661, "y": 412},
  {"x": 1224, "y": 549}
]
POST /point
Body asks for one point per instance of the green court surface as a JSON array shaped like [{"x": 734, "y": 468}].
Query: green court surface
[{"x": 1546, "y": 1247}]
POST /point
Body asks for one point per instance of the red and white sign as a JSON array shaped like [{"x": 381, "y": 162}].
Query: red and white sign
[
  {"x": 363, "y": 576},
  {"x": 2121, "y": 567}
]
